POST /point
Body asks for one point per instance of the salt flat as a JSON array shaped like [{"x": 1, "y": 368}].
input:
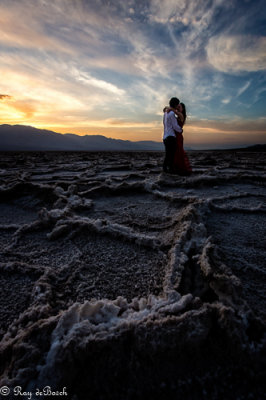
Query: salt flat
[{"x": 122, "y": 282}]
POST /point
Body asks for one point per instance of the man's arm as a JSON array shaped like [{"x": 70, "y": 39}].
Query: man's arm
[{"x": 175, "y": 123}]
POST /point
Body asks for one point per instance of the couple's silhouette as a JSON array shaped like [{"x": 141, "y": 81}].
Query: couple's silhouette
[{"x": 176, "y": 160}]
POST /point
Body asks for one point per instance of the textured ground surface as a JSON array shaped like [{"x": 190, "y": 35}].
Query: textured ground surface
[{"x": 121, "y": 282}]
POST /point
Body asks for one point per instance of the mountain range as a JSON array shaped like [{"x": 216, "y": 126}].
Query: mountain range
[{"x": 27, "y": 138}]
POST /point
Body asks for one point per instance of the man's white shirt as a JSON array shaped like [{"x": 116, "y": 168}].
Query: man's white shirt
[{"x": 170, "y": 125}]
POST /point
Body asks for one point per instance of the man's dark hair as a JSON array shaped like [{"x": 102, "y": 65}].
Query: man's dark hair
[{"x": 174, "y": 102}]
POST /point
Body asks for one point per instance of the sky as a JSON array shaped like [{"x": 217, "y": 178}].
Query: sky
[{"x": 110, "y": 66}]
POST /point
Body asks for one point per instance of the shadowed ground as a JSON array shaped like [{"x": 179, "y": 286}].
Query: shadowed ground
[{"x": 127, "y": 283}]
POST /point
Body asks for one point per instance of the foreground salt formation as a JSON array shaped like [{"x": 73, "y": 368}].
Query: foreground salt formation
[{"x": 121, "y": 282}]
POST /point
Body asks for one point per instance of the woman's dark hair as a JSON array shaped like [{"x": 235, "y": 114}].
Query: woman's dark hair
[
  {"x": 174, "y": 101},
  {"x": 184, "y": 112}
]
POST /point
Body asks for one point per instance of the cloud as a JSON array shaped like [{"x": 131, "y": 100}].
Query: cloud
[
  {"x": 239, "y": 92},
  {"x": 234, "y": 124},
  {"x": 27, "y": 32},
  {"x": 258, "y": 93},
  {"x": 163, "y": 11},
  {"x": 238, "y": 53},
  {"x": 202, "y": 134},
  {"x": 17, "y": 111},
  {"x": 190, "y": 24},
  {"x": 98, "y": 83},
  {"x": 116, "y": 63},
  {"x": 27, "y": 109},
  {"x": 243, "y": 88},
  {"x": 5, "y": 97},
  {"x": 226, "y": 100},
  {"x": 67, "y": 27}
]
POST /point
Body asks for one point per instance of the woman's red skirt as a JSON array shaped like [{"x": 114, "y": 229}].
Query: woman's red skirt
[{"x": 181, "y": 161}]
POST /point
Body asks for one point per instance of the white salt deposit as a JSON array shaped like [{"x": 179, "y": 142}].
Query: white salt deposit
[{"x": 114, "y": 279}]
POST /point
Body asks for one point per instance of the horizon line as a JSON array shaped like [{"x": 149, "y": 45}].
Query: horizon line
[{"x": 187, "y": 148}]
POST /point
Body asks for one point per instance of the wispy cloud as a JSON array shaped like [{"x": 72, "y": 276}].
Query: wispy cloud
[
  {"x": 97, "y": 83},
  {"x": 243, "y": 88}
]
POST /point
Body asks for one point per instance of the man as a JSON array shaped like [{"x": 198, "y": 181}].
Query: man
[{"x": 169, "y": 138}]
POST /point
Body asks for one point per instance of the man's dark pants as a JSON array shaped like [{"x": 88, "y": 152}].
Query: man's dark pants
[{"x": 170, "y": 146}]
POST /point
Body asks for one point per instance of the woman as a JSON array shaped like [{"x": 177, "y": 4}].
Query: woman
[{"x": 181, "y": 161}]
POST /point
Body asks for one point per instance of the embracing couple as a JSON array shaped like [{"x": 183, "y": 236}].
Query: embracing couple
[{"x": 176, "y": 160}]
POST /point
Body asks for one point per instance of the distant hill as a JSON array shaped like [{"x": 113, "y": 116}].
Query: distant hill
[
  {"x": 255, "y": 147},
  {"x": 27, "y": 138}
]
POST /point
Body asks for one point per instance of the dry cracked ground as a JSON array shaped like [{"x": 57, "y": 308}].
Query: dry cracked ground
[{"x": 121, "y": 282}]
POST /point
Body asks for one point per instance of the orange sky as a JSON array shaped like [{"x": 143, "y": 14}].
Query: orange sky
[{"x": 198, "y": 133}]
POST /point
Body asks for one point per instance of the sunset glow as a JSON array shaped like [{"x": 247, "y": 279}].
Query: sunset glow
[{"x": 109, "y": 67}]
